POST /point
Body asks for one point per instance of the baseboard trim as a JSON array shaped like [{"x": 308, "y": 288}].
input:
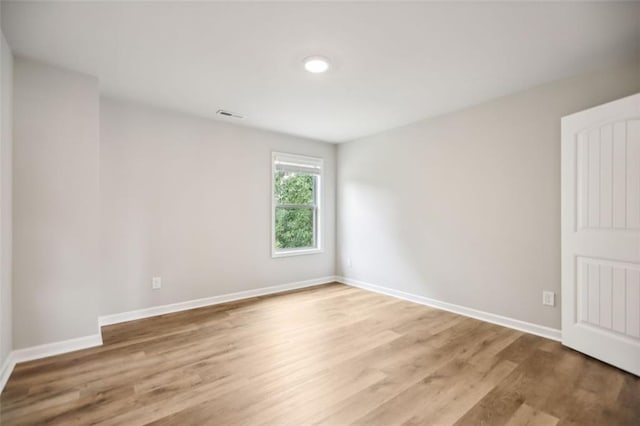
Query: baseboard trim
[
  {"x": 57, "y": 348},
  {"x": 208, "y": 301},
  {"x": 527, "y": 327},
  {"x": 7, "y": 369},
  {"x": 42, "y": 351}
]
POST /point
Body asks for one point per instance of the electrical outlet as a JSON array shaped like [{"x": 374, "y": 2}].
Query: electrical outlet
[
  {"x": 349, "y": 262},
  {"x": 156, "y": 283},
  {"x": 548, "y": 298}
]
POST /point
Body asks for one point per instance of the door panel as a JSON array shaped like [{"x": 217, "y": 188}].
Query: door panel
[
  {"x": 609, "y": 295},
  {"x": 601, "y": 232}
]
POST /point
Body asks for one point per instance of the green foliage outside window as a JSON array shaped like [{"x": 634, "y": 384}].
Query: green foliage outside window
[{"x": 295, "y": 210}]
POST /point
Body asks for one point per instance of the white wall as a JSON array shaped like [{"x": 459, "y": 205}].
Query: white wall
[
  {"x": 6, "y": 106},
  {"x": 107, "y": 194},
  {"x": 55, "y": 196},
  {"x": 184, "y": 198},
  {"x": 189, "y": 200},
  {"x": 465, "y": 208}
]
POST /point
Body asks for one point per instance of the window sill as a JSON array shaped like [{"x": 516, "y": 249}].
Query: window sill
[{"x": 301, "y": 252}]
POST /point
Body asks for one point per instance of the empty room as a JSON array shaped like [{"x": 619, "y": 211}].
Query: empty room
[{"x": 319, "y": 213}]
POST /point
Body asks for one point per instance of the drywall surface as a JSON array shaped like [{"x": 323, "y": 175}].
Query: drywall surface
[
  {"x": 6, "y": 143},
  {"x": 465, "y": 208},
  {"x": 189, "y": 200},
  {"x": 55, "y": 196}
]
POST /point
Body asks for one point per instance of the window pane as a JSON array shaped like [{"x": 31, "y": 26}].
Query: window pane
[
  {"x": 294, "y": 227},
  {"x": 294, "y": 188}
]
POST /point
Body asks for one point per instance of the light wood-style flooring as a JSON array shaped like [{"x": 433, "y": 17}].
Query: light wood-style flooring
[{"x": 331, "y": 355}]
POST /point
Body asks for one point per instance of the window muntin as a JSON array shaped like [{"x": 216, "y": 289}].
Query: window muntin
[{"x": 296, "y": 215}]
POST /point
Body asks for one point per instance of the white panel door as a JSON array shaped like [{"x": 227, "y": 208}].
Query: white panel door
[{"x": 601, "y": 232}]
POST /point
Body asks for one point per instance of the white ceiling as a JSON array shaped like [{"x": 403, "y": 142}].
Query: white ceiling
[{"x": 392, "y": 63}]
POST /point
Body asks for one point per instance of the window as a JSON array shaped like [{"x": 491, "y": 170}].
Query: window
[{"x": 296, "y": 219}]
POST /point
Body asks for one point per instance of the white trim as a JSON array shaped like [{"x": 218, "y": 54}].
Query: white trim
[
  {"x": 319, "y": 210},
  {"x": 296, "y": 252},
  {"x": 7, "y": 369},
  {"x": 43, "y": 351},
  {"x": 57, "y": 348},
  {"x": 208, "y": 301},
  {"x": 527, "y": 327}
]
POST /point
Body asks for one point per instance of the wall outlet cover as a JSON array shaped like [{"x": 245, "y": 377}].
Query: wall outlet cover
[
  {"x": 156, "y": 283},
  {"x": 548, "y": 298}
]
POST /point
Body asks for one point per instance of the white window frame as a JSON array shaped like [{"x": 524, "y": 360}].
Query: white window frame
[{"x": 319, "y": 213}]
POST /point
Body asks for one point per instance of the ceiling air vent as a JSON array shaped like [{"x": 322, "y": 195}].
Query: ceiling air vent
[{"x": 228, "y": 114}]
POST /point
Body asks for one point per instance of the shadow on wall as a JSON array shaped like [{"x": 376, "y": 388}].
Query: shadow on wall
[{"x": 460, "y": 209}]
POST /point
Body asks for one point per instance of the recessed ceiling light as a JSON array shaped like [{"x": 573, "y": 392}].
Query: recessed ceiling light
[{"x": 316, "y": 64}]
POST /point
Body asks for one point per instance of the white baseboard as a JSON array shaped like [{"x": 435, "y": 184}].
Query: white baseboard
[
  {"x": 208, "y": 301},
  {"x": 527, "y": 327},
  {"x": 42, "y": 351},
  {"x": 57, "y": 348},
  {"x": 6, "y": 370}
]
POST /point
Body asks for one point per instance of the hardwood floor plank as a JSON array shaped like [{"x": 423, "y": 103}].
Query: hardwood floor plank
[
  {"x": 331, "y": 355},
  {"x": 529, "y": 416}
]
